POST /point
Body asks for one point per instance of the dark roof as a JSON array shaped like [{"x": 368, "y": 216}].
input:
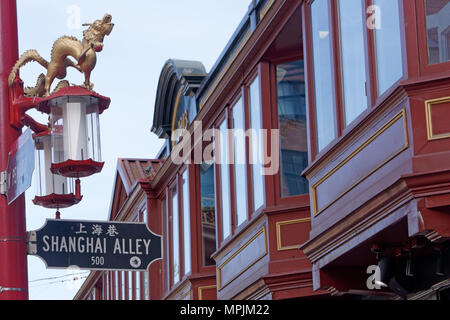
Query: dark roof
[
  {"x": 128, "y": 173},
  {"x": 131, "y": 170},
  {"x": 174, "y": 75}
]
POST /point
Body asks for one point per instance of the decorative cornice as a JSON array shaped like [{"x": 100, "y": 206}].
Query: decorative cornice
[{"x": 370, "y": 213}]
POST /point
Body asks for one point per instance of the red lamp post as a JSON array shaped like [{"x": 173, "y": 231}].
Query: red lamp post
[{"x": 13, "y": 250}]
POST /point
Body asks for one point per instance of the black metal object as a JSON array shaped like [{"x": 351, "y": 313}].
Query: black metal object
[{"x": 95, "y": 245}]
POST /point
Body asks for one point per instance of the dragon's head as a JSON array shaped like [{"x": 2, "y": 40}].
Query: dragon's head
[{"x": 97, "y": 31}]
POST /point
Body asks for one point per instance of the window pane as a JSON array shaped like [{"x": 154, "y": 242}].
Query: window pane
[
  {"x": 144, "y": 216},
  {"x": 225, "y": 180},
  {"x": 123, "y": 285},
  {"x": 105, "y": 286},
  {"x": 130, "y": 285},
  {"x": 208, "y": 200},
  {"x": 239, "y": 162},
  {"x": 147, "y": 285},
  {"x": 138, "y": 285},
  {"x": 186, "y": 224},
  {"x": 257, "y": 145},
  {"x": 438, "y": 30},
  {"x": 175, "y": 238},
  {"x": 353, "y": 62},
  {"x": 116, "y": 276},
  {"x": 166, "y": 232},
  {"x": 292, "y": 125},
  {"x": 323, "y": 73},
  {"x": 388, "y": 44}
]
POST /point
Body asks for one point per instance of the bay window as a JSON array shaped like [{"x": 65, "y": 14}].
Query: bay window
[
  {"x": 388, "y": 44},
  {"x": 225, "y": 180},
  {"x": 166, "y": 241},
  {"x": 186, "y": 223},
  {"x": 177, "y": 226},
  {"x": 323, "y": 73},
  {"x": 208, "y": 208},
  {"x": 291, "y": 105},
  {"x": 175, "y": 237},
  {"x": 351, "y": 24},
  {"x": 438, "y": 30},
  {"x": 354, "y": 52},
  {"x": 240, "y": 164},
  {"x": 240, "y": 182},
  {"x": 256, "y": 148}
]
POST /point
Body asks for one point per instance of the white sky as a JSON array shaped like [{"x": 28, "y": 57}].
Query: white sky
[{"x": 146, "y": 34}]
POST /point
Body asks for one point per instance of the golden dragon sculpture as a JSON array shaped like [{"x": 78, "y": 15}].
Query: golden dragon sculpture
[{"x": 84, "y": 52}]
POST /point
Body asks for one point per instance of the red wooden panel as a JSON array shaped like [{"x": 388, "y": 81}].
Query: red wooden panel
[
  {"x": 388, "y": 142},
  {"x": 292, "y": 233},
  {"x": 440, "y": 115},
  {"x": 207, "y": 293}
]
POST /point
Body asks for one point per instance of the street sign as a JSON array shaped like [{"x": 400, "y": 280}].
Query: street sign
[
  {"x": 20, "y": 166},
  {"x": 95, "y": 245}
]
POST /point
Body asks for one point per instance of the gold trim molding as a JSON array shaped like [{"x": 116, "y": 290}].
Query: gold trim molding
[
  {"x": 279, "y": 224},
  {"x": 400, "y": 115},
  {"x": 219, "y": 268},
  {"x": 201, "y": 289},
  {"x": 430, "y": 134},
  {"x": 174, "y": 114}
]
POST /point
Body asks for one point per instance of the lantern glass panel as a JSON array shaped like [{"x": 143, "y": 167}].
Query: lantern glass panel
[
  {"x": 47, "y": 182},
  {"x": 75, "y": 129}
]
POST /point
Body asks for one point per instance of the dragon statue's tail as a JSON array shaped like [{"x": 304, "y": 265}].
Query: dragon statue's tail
[
  {"x": 27, "y": 56},
  {"x": 39, "y": 89}
]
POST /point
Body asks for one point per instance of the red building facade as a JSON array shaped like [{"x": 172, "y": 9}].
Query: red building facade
[
  {"x": 354, "y": 96},
  {"x": 379, "y": 180}
]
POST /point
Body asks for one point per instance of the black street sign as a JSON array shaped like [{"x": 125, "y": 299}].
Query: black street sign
[{"x": 95, "y": 245}]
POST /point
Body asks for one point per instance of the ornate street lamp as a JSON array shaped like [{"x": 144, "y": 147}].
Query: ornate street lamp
[
  {"x": 69, "y": 147},
  {"x": 75, "y": 131},
  {"x": 53, "y": 191}
]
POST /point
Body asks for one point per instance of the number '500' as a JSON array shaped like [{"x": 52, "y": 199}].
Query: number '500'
[{"x": 97, "y": 261}]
